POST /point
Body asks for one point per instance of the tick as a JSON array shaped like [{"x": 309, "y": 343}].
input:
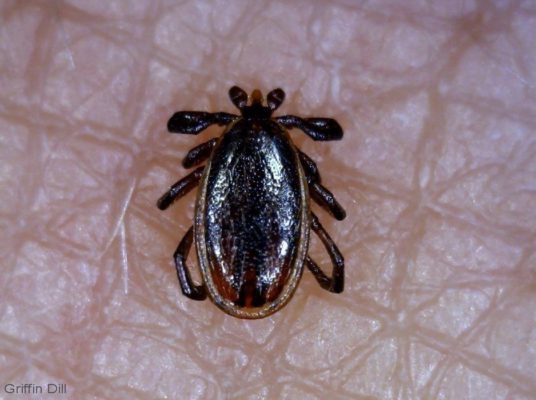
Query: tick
[{"x": 252, "y": 216}]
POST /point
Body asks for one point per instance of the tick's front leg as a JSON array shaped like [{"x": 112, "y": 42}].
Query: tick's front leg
[
  {"x": 316, "y": 128},
  {"x": 193, "y": 122}
]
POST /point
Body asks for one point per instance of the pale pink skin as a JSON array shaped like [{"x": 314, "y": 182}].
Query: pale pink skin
[{"x": 436, "y": 170}]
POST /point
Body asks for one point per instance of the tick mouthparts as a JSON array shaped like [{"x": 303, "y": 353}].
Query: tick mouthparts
[{"x": 256, "y": 97}]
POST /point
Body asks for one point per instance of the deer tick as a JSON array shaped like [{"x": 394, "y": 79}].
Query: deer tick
[{"x": 252, "y": 216}]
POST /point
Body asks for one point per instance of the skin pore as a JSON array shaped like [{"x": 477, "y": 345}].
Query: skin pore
[{"x": 435, "y": 171}]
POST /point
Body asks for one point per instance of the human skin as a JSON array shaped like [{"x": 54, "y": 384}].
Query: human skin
[{"x": 436, "y": 171}]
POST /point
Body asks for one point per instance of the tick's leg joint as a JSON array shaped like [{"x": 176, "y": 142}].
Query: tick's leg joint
[
  {"x": 189, "y": 289},
  {"x": 335, "y": 283},
  {"x": 180, "y": 188},
  {"x": 199, "y": 154},
  {"x": 318, "y": 192}
]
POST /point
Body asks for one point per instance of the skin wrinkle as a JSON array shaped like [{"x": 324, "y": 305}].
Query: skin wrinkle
[{"x": 435, "y": 171}]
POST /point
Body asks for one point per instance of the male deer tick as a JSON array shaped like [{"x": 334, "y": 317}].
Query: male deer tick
[{"x": 252, "y": 215}]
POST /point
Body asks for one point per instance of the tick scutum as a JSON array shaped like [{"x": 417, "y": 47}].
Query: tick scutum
[{"x": 252, "y": 212}]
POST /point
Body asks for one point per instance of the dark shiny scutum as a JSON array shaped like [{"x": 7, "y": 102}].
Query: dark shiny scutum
[{"x": 253, "y": 212}]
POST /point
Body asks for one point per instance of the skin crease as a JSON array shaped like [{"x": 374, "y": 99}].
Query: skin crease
[{"x": 436, "y": 172}]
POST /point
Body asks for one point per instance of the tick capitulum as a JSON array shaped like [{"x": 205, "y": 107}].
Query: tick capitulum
[{"x": 252, "y": 218}]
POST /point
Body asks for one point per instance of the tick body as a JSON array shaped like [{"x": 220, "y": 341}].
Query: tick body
[{"x": 252, "y": 216}]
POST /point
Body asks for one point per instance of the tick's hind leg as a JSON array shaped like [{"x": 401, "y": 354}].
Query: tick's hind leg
[
  {"x": 189, "y": 289},
  {"x": 180, "y": 188},
  {"x": 335, "y": 283},
  {"x": 318, "y": 192}
]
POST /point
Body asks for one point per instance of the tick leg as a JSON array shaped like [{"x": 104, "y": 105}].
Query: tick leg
[
  {"x": 327, "y": 201},
  {"x": 193, "y": 122},
  {"x": 189, "y": 289},
  {"x": 318, "y": 192},
  {"x": 309, "y": 166},
  {"x": 334, "y": 284},
  {"x": 316, "y": 128},
  {"x": 199, "y": 154},
  {"x": 180, "y": 188}
]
